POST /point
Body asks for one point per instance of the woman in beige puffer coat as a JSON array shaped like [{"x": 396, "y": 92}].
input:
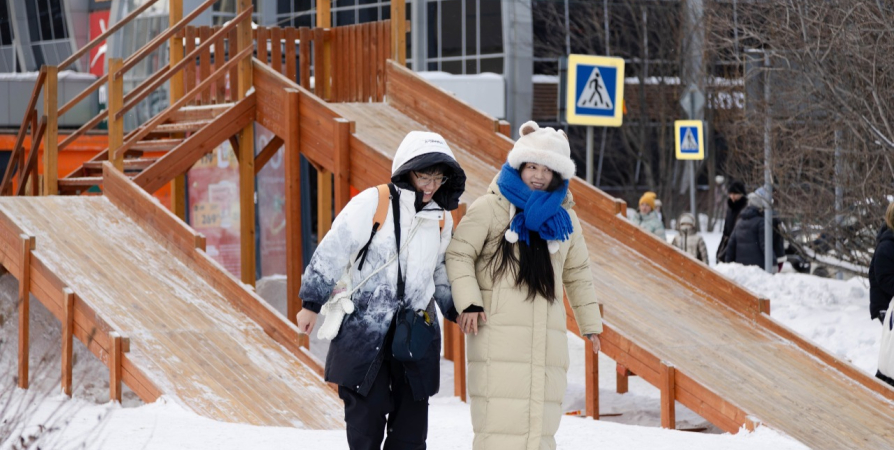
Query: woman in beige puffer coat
[{"x": 515, "y": 317}]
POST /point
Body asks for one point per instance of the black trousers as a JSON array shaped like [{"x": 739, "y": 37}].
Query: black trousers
[{"x": 389, "y": 403}]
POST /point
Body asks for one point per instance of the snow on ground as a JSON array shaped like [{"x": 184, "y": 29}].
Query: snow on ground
[{"x": 831, "y": 313}]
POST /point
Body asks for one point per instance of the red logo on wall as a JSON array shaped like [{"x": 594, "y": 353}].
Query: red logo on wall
[{"x": 99, "y": 23}]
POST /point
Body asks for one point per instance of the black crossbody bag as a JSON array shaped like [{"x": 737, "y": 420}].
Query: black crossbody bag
[{"x": 413, "y": 330}]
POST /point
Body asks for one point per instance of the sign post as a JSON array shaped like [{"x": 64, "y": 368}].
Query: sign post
[
  {"x": 595, "y": 95},
  {"x": 689, "y": 140}
]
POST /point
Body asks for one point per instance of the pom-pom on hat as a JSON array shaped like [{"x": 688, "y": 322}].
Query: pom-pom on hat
[
  {"x": 544, "y": 146},
  {"x": 649, "y": 199}
]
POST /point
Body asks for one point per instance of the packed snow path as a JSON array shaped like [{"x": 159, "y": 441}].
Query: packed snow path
[{"x": 187, "y": 339}]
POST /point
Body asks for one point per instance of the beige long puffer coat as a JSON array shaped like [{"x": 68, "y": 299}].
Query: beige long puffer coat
[{"x": 519, "y": 359}]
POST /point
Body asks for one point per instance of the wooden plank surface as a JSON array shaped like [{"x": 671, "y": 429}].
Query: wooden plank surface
[
  {"x": 726, "y": 364},
  {"x": 186, "y": 334}
]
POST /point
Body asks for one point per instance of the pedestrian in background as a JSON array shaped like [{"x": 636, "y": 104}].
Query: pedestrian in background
[
  {"x": 734, "y": 206},
  {"x": 881, "y": 290},
  {"x": 746, "y": 244},
  {"x": 647, "y": 218},
  {"x": 689, "y": 240}
]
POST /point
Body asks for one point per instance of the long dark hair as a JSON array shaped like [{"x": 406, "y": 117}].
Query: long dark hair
[{"x": 532, "y": 267}]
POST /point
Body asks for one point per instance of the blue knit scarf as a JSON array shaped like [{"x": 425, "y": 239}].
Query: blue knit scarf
[{"x": 542, "y": 211}]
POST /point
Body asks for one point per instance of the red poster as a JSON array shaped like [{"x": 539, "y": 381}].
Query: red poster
[
  {"x": 271, "y": 208},
  {"x": 99, "y": 23},
  {"x": 214, "y": 205}
]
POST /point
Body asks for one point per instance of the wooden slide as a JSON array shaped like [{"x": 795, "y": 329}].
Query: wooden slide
[{"x": 126, "y": 277}]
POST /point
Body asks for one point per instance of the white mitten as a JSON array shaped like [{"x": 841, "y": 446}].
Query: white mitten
[{"x": 334, "y": 311}]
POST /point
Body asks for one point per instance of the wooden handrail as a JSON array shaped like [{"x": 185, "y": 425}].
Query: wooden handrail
[
  {"x": 147, "y": 128},
  {"x": 84, "y": 128},
  {"x": 20, "y": 137},
  {"x": 121, "y": 23},
  {"x": 31, "y": 161},
  {"x": 83, "y": 94},
  {"x": 160, "y": 39},
  {"x": 167, "y": 72}
]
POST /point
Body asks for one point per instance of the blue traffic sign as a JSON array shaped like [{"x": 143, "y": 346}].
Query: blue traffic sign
[
  {"x": 596, "y": 90},
  {"x": 689, "y": 139}
]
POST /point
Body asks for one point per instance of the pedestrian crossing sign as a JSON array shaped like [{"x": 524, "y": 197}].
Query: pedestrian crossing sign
[
  {"x": 595, "y": 90},
  {"x": 690, "y": 139}
]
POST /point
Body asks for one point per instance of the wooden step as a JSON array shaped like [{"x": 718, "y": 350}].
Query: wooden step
[
  {"x": 129, "y": 164},
  {"x": 155, "y": 145},
  {"x": 181, "y": 127},
  {"x": 79, "y": 182},
  {"x": 198, "y": 113}
]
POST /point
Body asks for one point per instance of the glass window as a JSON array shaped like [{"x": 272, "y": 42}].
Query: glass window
[
  {"x": 58, "y": 19},
  {"x": 454, "y": 67},
  {"x": 471, "y": 28},
  {"x": 492, "y": 33},
  {"x": 451, "y": 28},
  {"x": 5, "y": 25},
  {"x": 344, "y": 18},
  {"x": 494, "y": 65},
  {"x": 365, "y": 15},
  {"x": 432, "y": 21},
  {"x": 471, "y": 66}
]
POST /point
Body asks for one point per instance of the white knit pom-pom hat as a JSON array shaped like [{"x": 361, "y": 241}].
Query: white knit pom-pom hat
[{"x": 544, "y": 146}]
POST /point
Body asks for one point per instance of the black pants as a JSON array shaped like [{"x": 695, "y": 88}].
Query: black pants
[{"x": 390, "y": 395}]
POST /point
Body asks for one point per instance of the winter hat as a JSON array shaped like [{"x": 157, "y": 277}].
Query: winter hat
[
  {"x": 422, "y": 149},
  {"x": 760, "y": 199},
  {"x": 687, "y": 219},
  {"x": 649, "y": 199},
  {"x": 544, "y": 146},
  {"x": 736, "y": 187}
]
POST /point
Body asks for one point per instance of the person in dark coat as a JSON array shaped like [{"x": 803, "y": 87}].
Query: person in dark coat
[
  {"x": 881, "y": 290},
  {"x": 746, "y": 243},
  {"x": 881, "y": 269},
  {"x": 734, "y": 206}
]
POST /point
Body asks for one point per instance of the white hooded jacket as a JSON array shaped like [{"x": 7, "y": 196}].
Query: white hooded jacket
[{"x": 356, "y": 353}]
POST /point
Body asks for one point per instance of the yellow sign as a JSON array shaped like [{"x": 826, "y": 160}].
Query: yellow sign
[
  {"x": 595, "y": 88},
  {"x": 689, "y": 139}
]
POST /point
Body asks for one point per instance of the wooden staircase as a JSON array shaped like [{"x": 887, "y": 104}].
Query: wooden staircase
[
  {"x": 167, "y": 138},
  {"x": 198, "y": 118}
]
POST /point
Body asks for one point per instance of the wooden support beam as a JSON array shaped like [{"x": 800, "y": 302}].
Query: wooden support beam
[
  {"x": 178, "y": 185},
  {"x": 116, "y": 103},
  {"x": 343, "y": 130},
  {"x": 246, "y": 158},
  {"x": 449, "y": 328},
  {"x": 324, "y": 203},
  {"x": 622, "y": 379},
  {"x": 324, "y": 15},
  {"x": 399, "y": 31},
  {"x": 25, "y": 309},
  {"x": 591, "y": 375},
  {"x": 668, "y": 397},
  {"x": 764, "y": 305},
  {"x": 305, "y": 36},
  {"x": 328, "y": 70},
  {"x": 51, "y": 148},
  {"x": 269, "y": 150},
  {"x": 294, "y": 260},
  {"x": 117, "y": 347},
  {"x": 67, "y": 336}
]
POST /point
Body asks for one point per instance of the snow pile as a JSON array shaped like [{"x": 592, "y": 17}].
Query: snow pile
[{"x": 831, "y": 313}]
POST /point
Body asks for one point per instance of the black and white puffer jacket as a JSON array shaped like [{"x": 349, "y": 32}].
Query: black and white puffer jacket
[{"x": 357, "y": 352}]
